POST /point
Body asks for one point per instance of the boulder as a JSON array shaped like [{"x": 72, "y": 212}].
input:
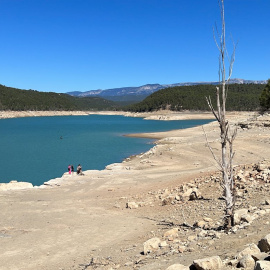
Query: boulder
[
  {"x": 210, "y": 263},
  {"x": 247, "y": 262},
  {"x": 177, "y": 267},
  {"x": 247, "y": 218},
  {"x": 264, "y": 244},
  {"x": 151, "y": 245},
  {"x": 192, "y": 194},
  {"x": 168, "y": 200},
  {"x": 238, "y": 215},
  {"x": 262, "y": 265},
  {"x": 132, "y": 205},
  {"x": 173, "y": 232},
  {"x": 250, "y": 250}
]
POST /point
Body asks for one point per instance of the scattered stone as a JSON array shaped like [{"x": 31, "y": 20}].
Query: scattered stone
[
  {"x": 210, "y": 263},
  {"x": 250, "y": 250},
  {"x": 151, "y": 245},
  {"x": 181, "y": 249},
  {"x": 167, "y": 201},
  {"x": 247, "y": 262},
  {"x": 238, "y": 215},
  {"x": 173, "y": 232},
  {"x": 264, "y": 244},
  {"x": 177, "y": 267},
  {"x": 262, "y": 265},
  {"x": 132, "y": 205}
]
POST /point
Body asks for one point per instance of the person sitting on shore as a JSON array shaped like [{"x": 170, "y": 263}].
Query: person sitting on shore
[{"x": 79, "y": 170}]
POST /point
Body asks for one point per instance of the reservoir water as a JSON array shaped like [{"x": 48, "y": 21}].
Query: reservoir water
[{"x": 37, "y": 149}]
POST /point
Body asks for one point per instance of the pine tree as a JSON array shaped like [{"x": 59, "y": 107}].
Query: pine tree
[{"x": 265, "y": 97}]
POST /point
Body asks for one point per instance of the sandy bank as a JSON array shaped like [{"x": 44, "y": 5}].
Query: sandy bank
[{"x": 161, "y": 115}]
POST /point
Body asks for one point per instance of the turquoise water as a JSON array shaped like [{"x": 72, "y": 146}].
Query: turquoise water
[{"x": 37, "y": 149}]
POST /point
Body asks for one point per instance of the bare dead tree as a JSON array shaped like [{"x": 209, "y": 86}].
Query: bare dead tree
[{"x": 227, "y": 135}]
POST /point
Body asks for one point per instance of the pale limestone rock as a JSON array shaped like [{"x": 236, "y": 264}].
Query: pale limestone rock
[
  {"x": 173, "y": 232},
  {"x": 250, "y": 250},
  {"x": 247, "y": 262},
  {"x": 238, "y": 215},
  {"x": 264, "y": 244},
  {"x": 177, "y": 267},
  {"x": 167, "y": 201},
  {"x": 14, "y": 185},
  {"x": 163, "y": 244},
  {"x": 115, "y": 166},
  {"x": 207, "y": 219},
  {"x": 200, "y": 224},
  {"x": 210, "y": 263},
  {"x": 151, "y": 245},
  {"x": 192, "y": 194},
  {"x": 247, "y": 218},
  {"x": 262, "y": 265},
  {"x": 132, "y": 205},
  {"x": 181, "y": 249}
]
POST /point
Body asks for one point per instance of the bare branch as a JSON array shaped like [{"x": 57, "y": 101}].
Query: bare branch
[
  {"x": 211, "y": 150},
  {"x": 209, "y": 102}
]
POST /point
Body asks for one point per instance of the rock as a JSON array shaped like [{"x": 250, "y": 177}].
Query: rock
[
  {"x": 177, "y": 267},
  {"x": 247, "y": 218},
  {"x": 163, "y": 244},
  {"x": 261, "y": 257},
  {"x": 167, "y": 201},
  {"x": 262, "y": 265},
  {"x": 151, "y": 245},
  {"x": 181, "y": 249},
  {"x": 200, "y": 224},
  {"x": 132, "y": 205},
  {"x": 262, "y": 167},
  {"x": 238, "y": 215},
  {"x": 247, "y": 262},
  {"x": 210, "y": 263},
  {"x": 264, "y": 244},
  {"x": 251, "y": 250},
  {"x": 173, "y": 232},
  {"x": 115, "y": 166},
  {"x": 15, "y": 185},
  {"x": 207, "y": 219},
  {"x": 192, "y": 194}
]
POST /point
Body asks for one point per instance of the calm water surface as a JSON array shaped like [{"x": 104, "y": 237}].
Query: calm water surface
[{"x": 37, "y": 149}]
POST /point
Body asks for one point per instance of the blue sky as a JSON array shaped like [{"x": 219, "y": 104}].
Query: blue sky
[{"x": 81, "y": 45}]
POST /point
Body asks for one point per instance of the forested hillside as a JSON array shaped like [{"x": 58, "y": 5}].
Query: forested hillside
[
  {"x": 241, "y": 97},
  {"x": 21, "y": 100}
]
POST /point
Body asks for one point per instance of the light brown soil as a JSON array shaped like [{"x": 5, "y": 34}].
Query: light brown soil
[{"x": 84, "y": 217}]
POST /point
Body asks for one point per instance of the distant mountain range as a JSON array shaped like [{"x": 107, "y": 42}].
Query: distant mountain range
[{"x": 141, "y": 92}]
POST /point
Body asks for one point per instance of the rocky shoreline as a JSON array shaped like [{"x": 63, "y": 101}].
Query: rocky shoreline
[{"x": 160, "y": 210}]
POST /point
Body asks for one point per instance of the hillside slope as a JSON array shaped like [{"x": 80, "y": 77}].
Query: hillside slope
[
  {"x": 21, "y": 100},
  {"x": 241, "y": 97}
]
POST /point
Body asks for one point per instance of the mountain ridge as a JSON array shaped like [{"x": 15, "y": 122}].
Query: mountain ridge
[{"x": 148, "y": 89}]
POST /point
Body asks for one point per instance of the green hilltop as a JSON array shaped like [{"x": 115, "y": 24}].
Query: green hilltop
[
  {"x": 22, "y": 100},
  {"x": 241, "y": 97}
]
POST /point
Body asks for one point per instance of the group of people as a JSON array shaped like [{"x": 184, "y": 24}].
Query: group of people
[{"x": 71, "y": 169}]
